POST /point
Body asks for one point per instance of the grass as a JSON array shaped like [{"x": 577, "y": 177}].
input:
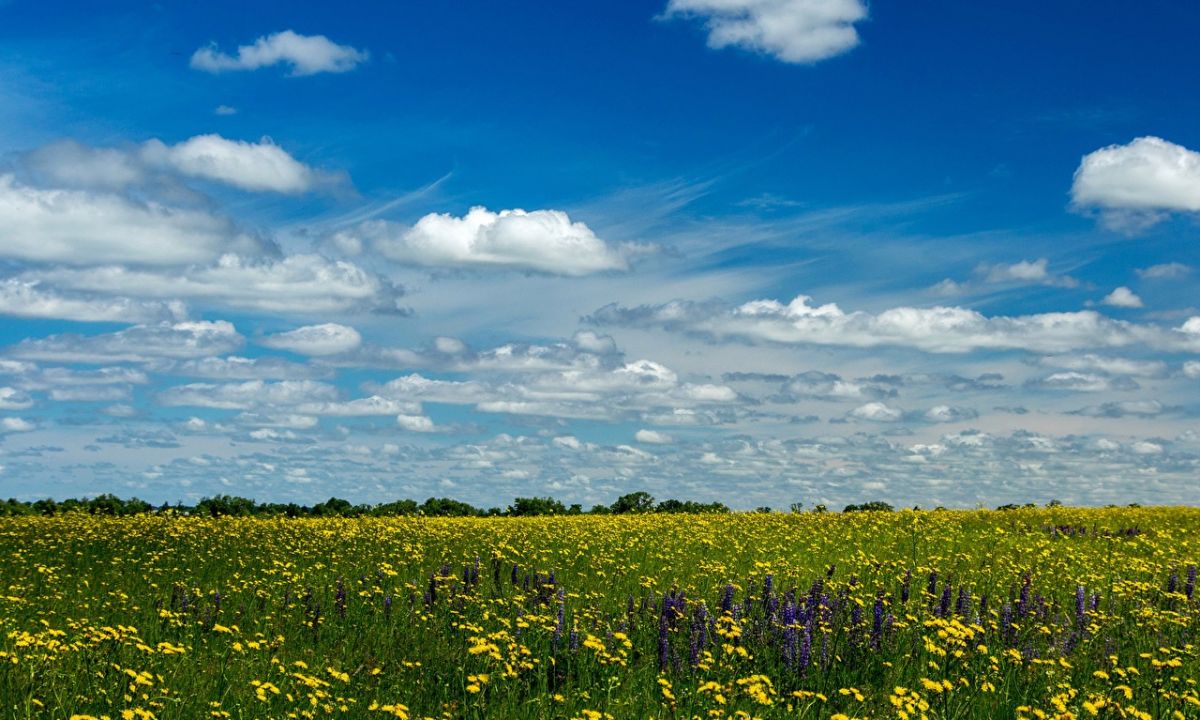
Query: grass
[{"x": 184, "y": 617}]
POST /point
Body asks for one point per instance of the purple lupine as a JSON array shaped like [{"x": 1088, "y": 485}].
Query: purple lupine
[
  {"x": 933, "y": 583},
  {"x": 1080, "y": 606},
  {"x": 664, "y": 644},
  {"x": 856, "y": 617},
  {"x": 1006, "y": 616},
  {"x": 1095, "y": 601},
  {"x": 558, "y": 622},
  {"x": 1190, "y": 588},
  {"x": 217, "y": 600},
  {"x": 387, "y": 605},
  {"x": 963, "y": 605},
  {"x": 1173, "y": 582},
  {"x": 877, "y": 625},
  {"x": 573, "y": 640},
  {"x": 805, "y": 648},
  {"x": 431, "y": 593},
  {"x": 790, "y": 634},
  {"x": 944, "y": 608},
  {"x": 1023, "y": 600},
  {"x": 904, "y": 587},
  {"x": 983, "y": 605},
  {"x": 514, "y": 574},
  {"x": 727, "y": 599},
  {"x": 339, "y": 598}
]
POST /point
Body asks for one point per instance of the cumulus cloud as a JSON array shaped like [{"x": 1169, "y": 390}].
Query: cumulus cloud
[
  {"x": 1124, "y": 408},
  {"x": 234, "y": 367},
  {"x": 949, "y": 414},
  {"x": 316, "y": 340},
  {"x": 1026, "y": 272},
  {"x": 877, "y": 412},
  {"x": 1164, "y": 271},
  {"x": 261, "y": 166},
  {"x": 545, "y": 241},
  {"x": 31, "y": 299},
  {"x": 250, "y": 395},
  {"x": 653, "y": 437},
  {"x": 135, "y": 344},
  {"x": 1082, "y": 382},
  {"x": 1104, "y": 364},
  {"x": 936, "y": 329},
  {"x": 293, "y": 284},
  {"x": 1135, "y": 184},
  {"x": 306, "y": 54},
  {"x": 76, "y": 227},
  {"x": 794, "y": 31},
  {"x": 14, "y": 399},
  {"x": 1122, "y": 297},
  {"x": 415, "y": 423},
  {"x": 15, "y": 425}
]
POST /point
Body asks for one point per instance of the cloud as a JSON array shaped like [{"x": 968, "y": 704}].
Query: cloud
[
  {"x": 1026, "y": 272},
  {"x": 306, "y": 54},
  {"x": 1082, "y": 382},
  {"x": 653, "y": 437},
  {"x": 30, "y": 299},
  {"x": 876, "y": 412},
  {"x": 949, "y": 414},
  {"x": 241, "y": 368},
  {"x": 545, "y": 241},
  {"x": 415, "y": 423},
  {"x": 937, "y": 329},
  {"x": 1122, "y": 297},
  {"x": 14, "y": 399},
  {"x": 1124, "y": 408},
  {"x": 261, "y": 166},
  {"x": 303, "y": 284},
  {"x": 225, "y": 110},
  {"x": 794, "y": 31},
  {"x": 250, "y": 395},
  {"x": 318, "y": 340},
  {"x": 1134, "y": 185},
  {"x": 135, "y": 344},
  {"x": 15, "y": 425},
  {"x": 82, "y": 228},
  {"x": 1110, "y": 365},
  {"x": 1164, "y": 271}
]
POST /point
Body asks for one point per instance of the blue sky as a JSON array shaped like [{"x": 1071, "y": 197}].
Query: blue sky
[{"x": 757, "y": 251}]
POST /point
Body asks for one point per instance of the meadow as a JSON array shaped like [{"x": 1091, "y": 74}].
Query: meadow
[{"x": 1024, "y": 613}]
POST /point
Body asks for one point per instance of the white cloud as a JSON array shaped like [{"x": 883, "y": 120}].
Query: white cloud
[
  {"x": 14, "y": 399},
  {"x": 653, "y": 437},
  {"x": 91, "y": 393},
  {"x": 546, "y": 241},
  {"x": 1111, "y": 365},
  {"x": 304, "y": 284},
  {"x": 949, "y": 414},
  {"x": 1122, "y": 297},
  {"x": 877, "y": 412},
  {"x": 1029, "y": 272},
  {"x": 1191, "y": 369},
  {"x": 241, "y": 368},
  {"x": 261, "y": 166},
  {"x": 1076, "y": 381},
  {"x": 307, "y": 55},
  {"x": 15, "y": 424},
  {"x": 225, "y": 110},
  {"x": 362, "y": 407},
  {"x": 1135, "y": 183},
  {"x": 936, "y": 329},
  {"x": 317, "y": 340},
  {"x": 250, "y": 395},
  {"x": 72, "y": 164},
  {"x": 83, "y": 228},
  {"x": 415, "y": 423},
  {"x": 1164, "y": 271},
  {"x": 795, "y": 31},
  {"x": 136, "y": 344},
  {"x": 23, "y": 298}
]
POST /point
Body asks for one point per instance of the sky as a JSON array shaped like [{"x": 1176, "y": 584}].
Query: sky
[{"x": 752, "y": 251}]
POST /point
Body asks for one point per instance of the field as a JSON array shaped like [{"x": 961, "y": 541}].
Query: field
[{"x": 982, "y": 614}]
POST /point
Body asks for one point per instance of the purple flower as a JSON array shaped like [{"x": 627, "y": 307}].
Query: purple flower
[
  {"x": 664, "y": 644},
  {"x": 1080, "y": 606},
  {"x": 1190, "y": 588}
]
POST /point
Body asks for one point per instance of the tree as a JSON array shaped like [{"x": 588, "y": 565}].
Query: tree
[
  {"x": 635, "y": 502},
  {"x": 525, "y": 507}
]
